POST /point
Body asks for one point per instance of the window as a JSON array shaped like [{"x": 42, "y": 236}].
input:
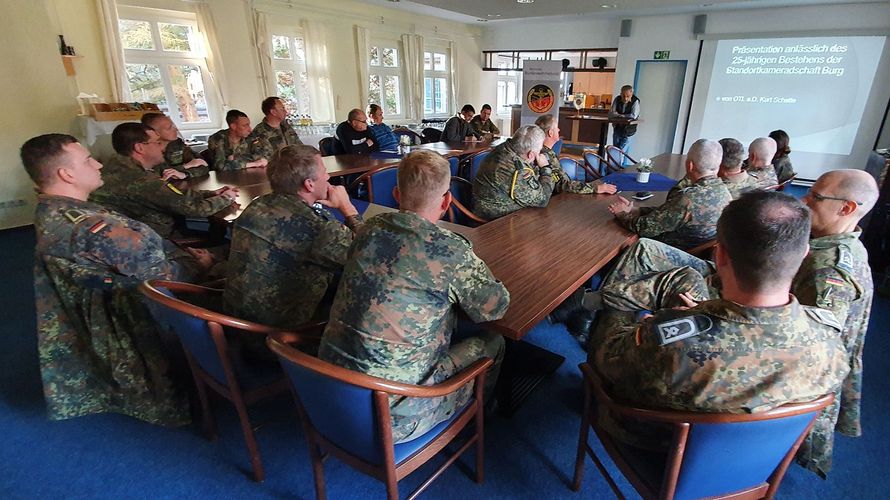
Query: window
[
  {"x": 289, "y": 70},
  {"x": 508, "y": 88},
  {"x": 435, "y": 84},
  {"x": 385, "y": 78},
  {"x": 165, "y": 64}
]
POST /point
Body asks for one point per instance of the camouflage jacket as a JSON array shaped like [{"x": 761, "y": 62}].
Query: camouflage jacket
[
  {"x": 783, "y": 168},
  {"x": 395, "y": 308},
  {"x": 98, "y": 347},
  {"x": 505, "y": 183},
  {"x": 142, "y": 195},
  {"x": 836, "y": 276},
  {"x": 228, "y": 156},
  {"x": 273, "y": 139},
  {"x": 176, "y": 155},
  {"x": 724, "y": 357},
  {"x": 765, "y": 176},
  {"x": 486, "y": 127},
  {"x": 686, "y": 219},
  {"x": 285, "y": 257},
  {"x": 561, "y": 181},
  {"x": 741, "y": 183}
]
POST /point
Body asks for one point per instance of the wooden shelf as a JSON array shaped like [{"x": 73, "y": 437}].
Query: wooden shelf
[{"x": 68, "y": 63}]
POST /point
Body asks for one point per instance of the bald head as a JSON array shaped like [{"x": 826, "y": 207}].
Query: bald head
[
  {"x": 761, "y": 152},
  {"x": 705, "y": 156},
  {"x": 855, "y": 185}
]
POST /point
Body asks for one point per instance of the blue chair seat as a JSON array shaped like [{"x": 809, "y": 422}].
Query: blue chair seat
[{"x": 404, "y": 450}]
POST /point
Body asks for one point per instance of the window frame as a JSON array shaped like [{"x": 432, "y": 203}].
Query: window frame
[
  {"x": 432, "y": 74},
  {"x": 382, "y": 72},
  {"x": 291, "y": 33},
  {"x": 506, "y": 76},
  {"x": 196, "y": 56}
]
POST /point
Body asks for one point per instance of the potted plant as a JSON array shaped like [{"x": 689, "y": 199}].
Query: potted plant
[{"x": 644, "y": 168}]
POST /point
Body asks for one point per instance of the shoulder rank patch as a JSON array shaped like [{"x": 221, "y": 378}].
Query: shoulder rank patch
[
  {"x": 682, "y": 328},
  {"x": 75, "y": 216},
  {"x": 824, "y": 316},
  {"x": 845, "y": 260},
  {"x": 98, "y": 227},
  {"x": 173, "y": 188}
]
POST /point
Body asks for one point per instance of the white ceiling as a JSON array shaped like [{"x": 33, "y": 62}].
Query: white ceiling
[{"x": 481, "y": 11}]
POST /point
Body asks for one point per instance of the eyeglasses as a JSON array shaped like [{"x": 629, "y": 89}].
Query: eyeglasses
[
  {"x": 152, "y": 142},
  {"x": 361, "y": 121},
  {"x": 819, "y": 197}
]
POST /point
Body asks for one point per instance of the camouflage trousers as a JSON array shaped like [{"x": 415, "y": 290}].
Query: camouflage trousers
[
  {"x": 650, "y": 275},
  {"x": 413, "y": 417}
]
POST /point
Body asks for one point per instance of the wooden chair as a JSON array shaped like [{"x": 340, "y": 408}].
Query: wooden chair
[
  {"x": 582, "y": 171},
  {"x": 474, "y": 161},
  {"x": 346, "y": 414},
  {"x": 461, "y": 200},
  {"x": 713, "y": 455},
  {"x": 597, "y": 164},
  {"x": 431, "y": 134},
  {"x": 380, "y": 183},
  {"x": 557, "y": 147},
  {"x": 213, "y": 364},
  {"x": 617, "y": 157},
  {"x": 781, "y": 186},
  {"x": 454, "y": 163}
]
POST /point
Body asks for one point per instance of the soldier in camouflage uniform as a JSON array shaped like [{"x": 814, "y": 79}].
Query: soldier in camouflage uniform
[
  {"x": 287, "y": 251},
  {"x": 689, "y": 216},
  {"x": 760, "y": 154},
  {"x": 99, "y": 350},
  {"x": 177, "y": 155},
  {"x": 737, "y": 181},
  {"x": 514, "y": 175},
  {"x": 726, "y": 355},
  {"x": 482, "y": 124},
  {"x": 134, "y": 190},
  {"x": 395, "y": 309},
  {"x": 561, "y": 181},
  {"x": 231, "y": 148},
  {"x": 274, "y": 132}
]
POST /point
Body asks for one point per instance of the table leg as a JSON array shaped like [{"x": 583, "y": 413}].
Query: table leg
[{"x": 525, "y": 367}]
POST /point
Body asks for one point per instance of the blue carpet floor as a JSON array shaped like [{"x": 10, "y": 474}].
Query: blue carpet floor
[{"x": 528, "y": 456}]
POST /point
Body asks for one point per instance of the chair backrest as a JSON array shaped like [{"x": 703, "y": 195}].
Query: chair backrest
[
  {"x": 571, "y": 167},
  {"x": 781, "y": 186},
  {"x": 454, "y": 161},
  {"x": 431, "y": 134},
  {"x": 330, "y": 146},
  {"x": 721, "y": 453},
  {"x": 597, "y": 163},
  {"x": 462, "y": 198},
  {"x": 208, "y": 155},
  {"x": 618, "y": 158},
  {"x": 557, "y": 147},
  {"x": 476, "y": 162},
  {"x": 380, "y": 183}
]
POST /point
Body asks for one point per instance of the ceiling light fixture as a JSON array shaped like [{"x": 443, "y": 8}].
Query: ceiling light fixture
[
  {"x": 482, "y": 20},
  {"x": 525, "y": 1}
]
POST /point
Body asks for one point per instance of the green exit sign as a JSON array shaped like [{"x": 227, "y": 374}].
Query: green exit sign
[{"x": 662, "y": 54}]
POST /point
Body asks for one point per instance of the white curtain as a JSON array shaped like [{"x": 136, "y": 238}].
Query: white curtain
[
  {"x": 212, "y": 53},
  {"x": 114, "y": 54},
  {"x": 262, "y": 37},
  {"x": 321, "y": 98},
  {"x": 363, "y": 51},
  {"x": 452, "y": 51},
  {"x": 413, "y": 48}
]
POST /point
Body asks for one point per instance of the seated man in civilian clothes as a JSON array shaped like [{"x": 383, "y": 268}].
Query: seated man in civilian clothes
[
  {"x": 231, "y": 148},
  {"x": 514, "y": 175},
  {"x": 99, "y": 350},
  {"x": 759, "y": 166},
  {"x": 135, "y": 190},
  {"x": 835, "y": 276},
  {"x": 177, "y": 155},
  {"x": 481, "y": 123},
  {"x": 737, "y": 181},
  {"x": 396, "y": 307},
  {"x": 287, "y": 251},
  {"x": 561, "y": 181},
  {"x": 354, "y": 134},
  {"x": 754, "y": 349},
  {"x": 382, "y": 133},
  {"x": 689, "y": 215},
  {"x": 274, "y": 132},
  {"x": 458, "y": 127}
]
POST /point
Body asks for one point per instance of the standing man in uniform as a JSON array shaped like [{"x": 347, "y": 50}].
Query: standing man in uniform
[
  {"x": 134, "y": 189},
  {"x": 177, "y": 155},
  {"x": 232, "y": 150},
  {"x": 287, "y": 250},
  {"x": 482, "y": 123},
  {"x": 759, "y": 163},
  {"x": 99, "y": 350},
  {"x": 754, "y": 349},
  {"x": 514, "y": 175},
  {"x": 689, "y": 216},
  {"x": 627, "y": 107},
  {"x": 274, "y": 132},
  {"x": 395, "y": 309},
  {"x": 562, "y": 183}
]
